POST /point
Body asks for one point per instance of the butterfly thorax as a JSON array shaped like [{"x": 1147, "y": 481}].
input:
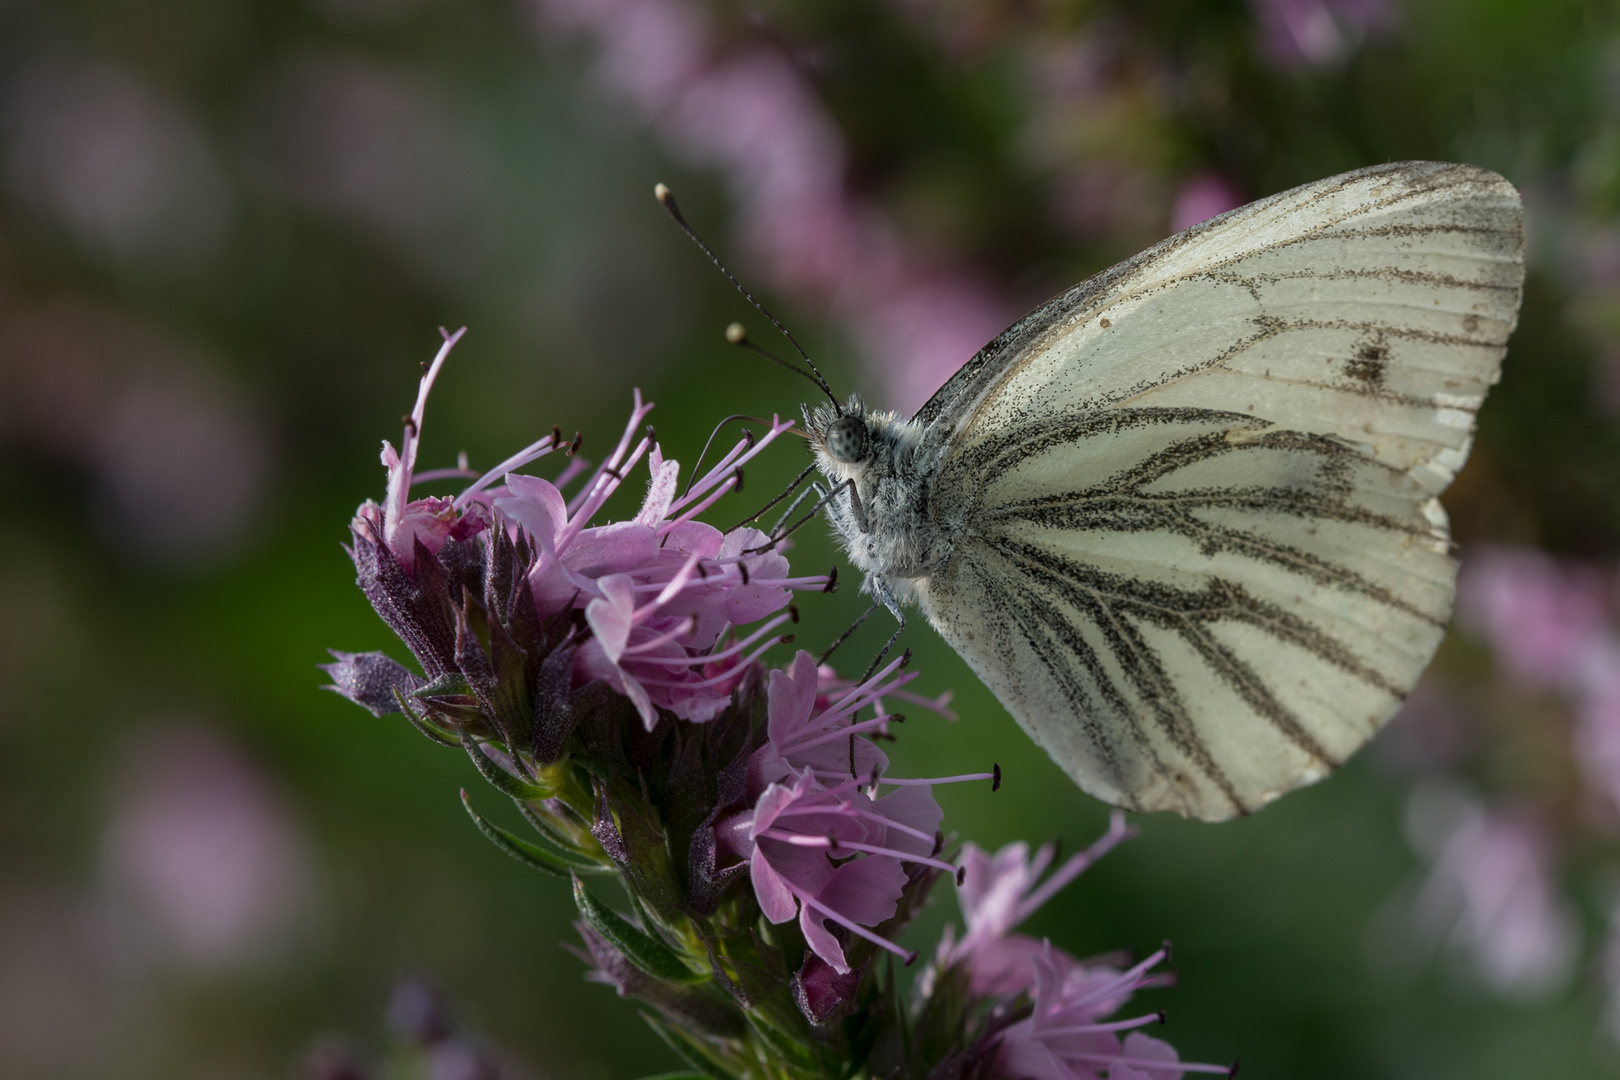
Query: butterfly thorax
[{"x": 885, "y": 528}]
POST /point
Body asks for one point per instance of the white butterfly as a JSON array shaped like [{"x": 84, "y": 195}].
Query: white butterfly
[{"x": 1183, "y": 519}]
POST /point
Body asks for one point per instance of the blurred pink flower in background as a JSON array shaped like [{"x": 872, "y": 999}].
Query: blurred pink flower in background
[
  {"x": 201, "y": 863},
  {"x": 375, "y": 144},
  {"x": 1316, "y": 33},
  {"x": 753, "y": 117},
  {"x": 1597, "y": 719},
  {"x": 1200, "y": 198},
  {"x": 117, "y": 162},
  {"x": 1548, "y": 622},
  {"x": 180, "y": 460},
  {"x": 1489, "y": 893},
  {"x": 1540, "y": 616}
]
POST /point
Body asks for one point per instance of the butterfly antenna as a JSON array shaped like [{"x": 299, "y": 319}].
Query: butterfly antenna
[
  {"x": 666, "y": 199},
  {"x": 737, "y": 334}
]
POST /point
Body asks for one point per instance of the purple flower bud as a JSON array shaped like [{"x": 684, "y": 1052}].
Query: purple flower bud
[
  {"x": 823, "y": 993},
  {"x": 370, "y": 680}
]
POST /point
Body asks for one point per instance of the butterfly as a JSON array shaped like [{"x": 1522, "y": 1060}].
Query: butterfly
[{"x": 1183, "y": 519}]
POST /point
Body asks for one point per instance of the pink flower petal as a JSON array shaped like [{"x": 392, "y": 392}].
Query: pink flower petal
[
  {"x": 610, "y": 615},
  {"x": 538, "y": 506},
  {"x": 821, "y": 940},
  {"x": 660, "y": 493},
  {"x": 776, "y": 899},
  {"x": 865, "y": 890}
]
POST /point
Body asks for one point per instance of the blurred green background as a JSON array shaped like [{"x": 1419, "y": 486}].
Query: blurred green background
[{"x": 228, "y": 232}]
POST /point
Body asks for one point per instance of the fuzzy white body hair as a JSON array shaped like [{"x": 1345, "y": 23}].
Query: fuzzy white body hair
[{"x": 886, "y": 530}]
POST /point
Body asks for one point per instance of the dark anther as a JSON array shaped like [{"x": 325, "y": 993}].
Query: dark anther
[
  {"x": 652, "y": 435},
  {"x": 409, "y": 422},
  {"x": 1164, "y": 1017},
  {"x": 786, "y": 639},
  {"x": 961, "y": 874},
  {"x": 742, "y": 568},
  {"x": 1167, "y": 951},
  {"x": 832, "y": 842},
  {"x": 613, "y": 472},
  {"x": 793, "y": 614},
  {"x": 832, "y": 581},
  {"x": 995, "y": 777},
  {"x": 911, "y": 958},
  {"x": 573, "y": 448},
  {"x": 556, "y": 435},
  {"x": 897, "y": 718},
  {"x": 1233, "y": 1070},
  {"x": 738, "y": 474},
  {"x": 939, "y": 843},
  {"x": 905, "y": 658},
  {"x": 748, "y": 437},
  {"x": 702, "y": 573},
  {"x": 873, "y": 782},
  {"x": 425, "y": 364}
]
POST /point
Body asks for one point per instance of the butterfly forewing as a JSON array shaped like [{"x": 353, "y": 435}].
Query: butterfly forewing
[{"x": 1196, "y": 550}]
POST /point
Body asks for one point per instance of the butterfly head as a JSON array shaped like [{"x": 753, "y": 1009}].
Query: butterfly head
[{"x": 841, "y": 435}]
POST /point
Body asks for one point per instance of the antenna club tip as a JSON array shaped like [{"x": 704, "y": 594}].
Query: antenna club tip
[
  {"x": 736, "y": 333},
  {"x": 662, "y": 193}
]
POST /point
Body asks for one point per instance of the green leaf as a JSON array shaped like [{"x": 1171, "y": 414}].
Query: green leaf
[
  {"x": 450, "y": 684},
  {"x": 787, "y": 1046},
  {"x": 545, "y": 828},
  {"x": 525, "y": 852},
  {"x": 423, "y": 724},
  {"x": 689, "y": 1050},
  {"x": 499, "y": 777},
  {"x": 641, "y": 949}
]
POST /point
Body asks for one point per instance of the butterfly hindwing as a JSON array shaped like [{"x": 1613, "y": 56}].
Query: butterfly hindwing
[{"x": 1196, "y": 550}]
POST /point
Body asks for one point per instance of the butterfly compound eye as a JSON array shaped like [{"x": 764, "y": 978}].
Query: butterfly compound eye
[{"x": 846, "y": 439}]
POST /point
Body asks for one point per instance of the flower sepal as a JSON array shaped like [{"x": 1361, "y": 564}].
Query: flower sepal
[
  {"x": 530, "y": 854},
  {"x": 643, "y": 949}
]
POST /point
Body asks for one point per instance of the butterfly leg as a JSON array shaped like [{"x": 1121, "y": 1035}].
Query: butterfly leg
[
  {"x": 841, "y": 638},
  {"x": 881, "y": 593},
  {"x": 778, "y": 535}
]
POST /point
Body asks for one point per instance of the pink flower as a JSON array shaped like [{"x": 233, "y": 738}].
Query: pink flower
[
  {"x": 1539, "y": 615},
  {"x": 814, "y": 789},
  {"x": 811, "y": 725},
  {"x": 1597, "y": 719},
  {"x": 401, "y": 523},
  {"x": 1068, "y": 1035},
  {"x": 659, "y": 595},
  {"x": 660, "y": 590},
  {"x": 1002, "y": 890},
  {"x": 1201, "y": 197},
  {"x": 794, "y": 831},
  {"x": 1315, "y": 33}
]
